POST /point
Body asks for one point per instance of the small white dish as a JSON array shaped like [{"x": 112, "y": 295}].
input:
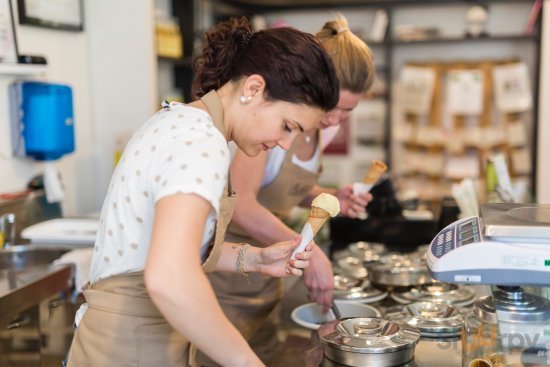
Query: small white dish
[
  {"x": 69, "y": 231},
  {"x": 311, "y": 316}
]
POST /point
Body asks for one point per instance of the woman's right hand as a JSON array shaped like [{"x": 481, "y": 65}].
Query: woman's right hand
[{"x": 275, "y": 260}]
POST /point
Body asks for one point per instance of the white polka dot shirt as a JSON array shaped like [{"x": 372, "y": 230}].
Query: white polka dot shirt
[{"x": 179, "y": 150}]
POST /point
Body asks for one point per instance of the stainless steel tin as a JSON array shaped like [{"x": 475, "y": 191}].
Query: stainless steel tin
[
  {"x": 348, "y": 288},
  {"x": 421, "y": 250},
  {"x": 452, "y": 294},
  {"x": 350, "y": 266},
  {"x": 484, "y": 309},
  {"x": 365, "y": 250},
  {"x": 432, "y": 319},
  {"x": 368, "y": 252},
  {"x": 399, "y": 270},
  {"x": 368, "y": 341},
  {"x": 512, "y": 304}
]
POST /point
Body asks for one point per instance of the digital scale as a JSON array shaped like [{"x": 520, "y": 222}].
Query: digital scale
[{"x": 508, "y": 244}]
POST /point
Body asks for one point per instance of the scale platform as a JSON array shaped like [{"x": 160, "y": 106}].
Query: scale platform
[{"x": 508, "y": 244}]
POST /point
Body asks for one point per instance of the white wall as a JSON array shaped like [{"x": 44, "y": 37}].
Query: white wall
[
  {"x": 543, "y": 133},
  {"x": 111, "y": 67},
  {"x": 123, "y": 70}
]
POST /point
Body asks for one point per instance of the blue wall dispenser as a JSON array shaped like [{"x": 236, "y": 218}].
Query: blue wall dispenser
[{"x": 43, "y": 127}]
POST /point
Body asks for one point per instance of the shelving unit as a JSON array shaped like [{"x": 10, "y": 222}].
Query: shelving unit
[{"x": 506, "y": 38}]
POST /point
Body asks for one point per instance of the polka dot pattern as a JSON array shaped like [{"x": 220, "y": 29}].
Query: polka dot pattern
[{"x": 175, "y": 152}]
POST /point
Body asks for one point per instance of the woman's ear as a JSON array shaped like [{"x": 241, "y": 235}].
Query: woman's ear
[{"x": 254, "y": 85}]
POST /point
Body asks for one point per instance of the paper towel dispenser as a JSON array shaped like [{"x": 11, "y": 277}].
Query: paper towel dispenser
[{"x": 42, "y": 120}]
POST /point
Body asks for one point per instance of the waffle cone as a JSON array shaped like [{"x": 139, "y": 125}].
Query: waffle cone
[
  {"x": 317, "y": 217},
  {"x": 376, "y": 169}
]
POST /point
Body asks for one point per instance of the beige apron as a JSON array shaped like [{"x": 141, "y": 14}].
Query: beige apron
[
  {"x": 246, "y": 305},
  {"x": 123, "y": 324}
]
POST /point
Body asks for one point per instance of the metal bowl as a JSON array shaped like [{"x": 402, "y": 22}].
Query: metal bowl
[
  {"x": 368, "y": 341},
  {"x": 311, "y": 315}
]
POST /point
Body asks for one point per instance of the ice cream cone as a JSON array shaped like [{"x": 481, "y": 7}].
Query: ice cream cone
[
  {"x": 317, "y": 217},
  {"x": 323, "y": 207},
  {"x": 376, "y": 169}
]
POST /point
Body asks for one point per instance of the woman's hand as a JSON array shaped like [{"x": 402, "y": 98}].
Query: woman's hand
[
  {"x": 275, "y": 260},
  {"x": 351, "y": 205},
  {"x": 319, "y": 279}
]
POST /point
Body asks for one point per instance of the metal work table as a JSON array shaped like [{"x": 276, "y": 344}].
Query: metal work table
[
  {"x": 27, "y": 287},
  {"x": 280, "y": 342}
]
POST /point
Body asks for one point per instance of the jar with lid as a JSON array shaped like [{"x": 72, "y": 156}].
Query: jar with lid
[
  {"x": 523, "y": 324},
  {"x": 480, "y": 346}
]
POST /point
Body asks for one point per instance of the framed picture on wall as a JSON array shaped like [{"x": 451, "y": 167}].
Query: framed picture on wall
[
  {"x": 8, "y": 43},
  {"x": 58, "y": 14}
]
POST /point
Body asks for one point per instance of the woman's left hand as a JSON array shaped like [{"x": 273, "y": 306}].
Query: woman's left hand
[
  {"x": 275, "y": 259},
  {"x": 352, "y": 205},
  {"x": 319, "y": 279}
]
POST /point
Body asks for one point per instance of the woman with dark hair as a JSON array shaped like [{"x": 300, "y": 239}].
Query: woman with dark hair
[
  {"x": 170, "y": 199},
  {"x": 273, "y": 183}
]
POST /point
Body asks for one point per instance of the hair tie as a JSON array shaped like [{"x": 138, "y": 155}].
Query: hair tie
[
  {"x": 247, "y": 37},
  {"x": 341, "y": 30}
]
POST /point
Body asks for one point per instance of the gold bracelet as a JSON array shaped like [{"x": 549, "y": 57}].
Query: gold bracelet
[{"x": 240, "y": 260}]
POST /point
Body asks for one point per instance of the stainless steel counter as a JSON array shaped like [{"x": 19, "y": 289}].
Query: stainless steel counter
[
  {"x": 24, "y": 288},
  {"x": 281, "y": 343}
]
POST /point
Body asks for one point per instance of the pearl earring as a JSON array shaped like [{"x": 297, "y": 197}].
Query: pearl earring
[{"x": 245, "y": 100}]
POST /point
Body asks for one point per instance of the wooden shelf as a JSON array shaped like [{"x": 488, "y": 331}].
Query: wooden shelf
[
  {"x": 504, "y": 38},
  {"x": 22, "y": 69},
  {"x": 273, "y": 5}
]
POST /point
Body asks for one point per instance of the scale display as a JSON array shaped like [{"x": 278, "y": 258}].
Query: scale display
[{"x": 498, "y": 247}]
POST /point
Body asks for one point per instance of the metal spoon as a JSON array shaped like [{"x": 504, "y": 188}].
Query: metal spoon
[{"x": 335, "y": 310}]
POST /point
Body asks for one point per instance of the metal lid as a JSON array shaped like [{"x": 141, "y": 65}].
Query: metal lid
[
  {"x": 365, "y": 250},
  {"x": 421, "y": 250},
  {"x": 347, "y": 288},
  {"x": 368, "y": 335},
  {"x": 432, "y": 319},
  {"x": 400, "y": 270},
  {"x": 351, "y": 266},
  {"x": 484, "y": 309},
  {"x": 512, "y": 304},
  {"x": 451, "y": 294}
]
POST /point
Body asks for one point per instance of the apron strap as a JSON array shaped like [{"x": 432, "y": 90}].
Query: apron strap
[
  {"x": 192, "y": 361},
  {"x": 119, "y": 303}
]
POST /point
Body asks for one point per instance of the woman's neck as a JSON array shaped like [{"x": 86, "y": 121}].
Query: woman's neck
[{"x": 306, "y": 144}]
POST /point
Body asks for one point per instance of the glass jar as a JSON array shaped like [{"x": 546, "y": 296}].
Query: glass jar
[{"x": 480, "y": 346}]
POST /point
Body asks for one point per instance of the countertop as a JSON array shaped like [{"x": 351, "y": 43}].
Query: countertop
[
  {"x": 26, "y": 287},
  {"x": 280, "y": 342}
]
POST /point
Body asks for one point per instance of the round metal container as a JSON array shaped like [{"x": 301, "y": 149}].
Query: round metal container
[
  {"x": 434, "y": 320},
  {"x": 399, "y": 270},
  {"x": 484, "y": 309},
  {"x": 422, "y": 250},
  {"x": 366, "y": 249},
  {"x": 512, "y": 304},
  {"x": 350, "y": 266},
  {"x": 451, "y": 294},
  {"x": 368, "y": 341},
  {"x": 348, "y": 288}
]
